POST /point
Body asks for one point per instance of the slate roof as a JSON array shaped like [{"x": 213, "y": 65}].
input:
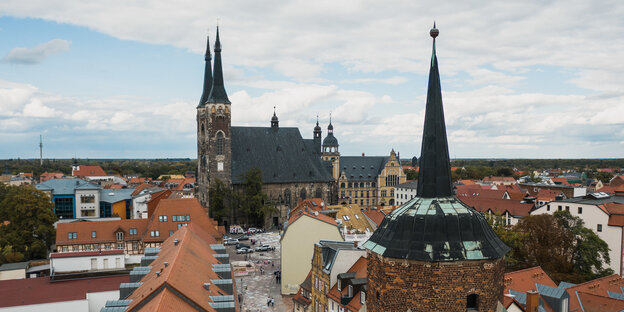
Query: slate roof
[
  {"x": 14, "y": 266},
  {"x": 282, "y": 154},
  {"x": 66, "y": 186},
  {"x": 362, "y": 168},
  {"x": 115, "y": 195},
  {"x": 413, "y": 184}
]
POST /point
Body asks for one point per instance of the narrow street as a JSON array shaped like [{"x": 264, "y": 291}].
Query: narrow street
[{"x": 254, "y": 287}]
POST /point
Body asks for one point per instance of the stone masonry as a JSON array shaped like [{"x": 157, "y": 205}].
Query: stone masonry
[{"x": 400, "y": 284}]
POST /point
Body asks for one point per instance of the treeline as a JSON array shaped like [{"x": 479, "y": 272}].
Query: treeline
[
  {"x": 539, "y": 164},
  {"x": 151, "y": 168}
]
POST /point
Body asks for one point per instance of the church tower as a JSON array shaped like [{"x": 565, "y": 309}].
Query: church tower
[
  {"x": 213, "y": 127},
  {"x": 317, "y": 136},
  {"x": 330, "y": 150},
  {"x": 434, "y": 253}
]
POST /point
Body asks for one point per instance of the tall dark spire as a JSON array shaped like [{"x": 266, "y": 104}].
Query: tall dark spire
[
  {"x": 218, "y": 94},
  {"x": 274, "y": 120},
  {"x": 207, "y": 75},
  {"x": 434, "y": 177}
]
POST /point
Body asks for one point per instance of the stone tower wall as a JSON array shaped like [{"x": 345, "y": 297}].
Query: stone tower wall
[{"x": 399, "y": 284}]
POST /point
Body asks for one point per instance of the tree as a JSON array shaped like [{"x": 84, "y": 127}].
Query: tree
[
  {"x": 411, "y": 174},
  {"x": 253, "y": 200},
  {"x": 220, "y": 199},
  {"x": 27, "y": 229},
  {"x": 590, "y": 252}
]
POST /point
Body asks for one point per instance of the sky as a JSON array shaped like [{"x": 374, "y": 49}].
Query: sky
[{"x": 122, "y": 79}]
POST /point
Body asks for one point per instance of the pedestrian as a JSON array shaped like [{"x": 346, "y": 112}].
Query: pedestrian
[
  {"x": 272, "y": 302},
  {"x": 268, "y": 301}
]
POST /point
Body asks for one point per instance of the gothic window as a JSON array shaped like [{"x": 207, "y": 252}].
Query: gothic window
[
  {"x": 203, "y": 131},
  {"x": 392, "y": 180},
  {"x": 319, "y": 193},
  {"x": 203, "y": 161},
  {"x": 302, "y": 194},
  {"x": 219, "y": 143},
  {"x": 287, "y": 197},
  {"x": 342, "y": 185}
]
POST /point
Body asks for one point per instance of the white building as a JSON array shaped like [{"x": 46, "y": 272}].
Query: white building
[
  {"x": 140, "y": 200},
  {"x": 601, "y": 213},
  {"x": 87, "y": 261},
  {"x": 405, "y": 191}
]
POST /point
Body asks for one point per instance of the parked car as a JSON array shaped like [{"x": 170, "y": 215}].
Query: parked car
[
  {"x": 251, "y": 231},
  {"x": 231, "y": 241},
  {"x": 236, "y": 229},
  {"x": 244, "y": 250},
  {"x": 244, "y": 237},
  {"x": 265, "y": 248},
  {"x": 240, "y": 245}
]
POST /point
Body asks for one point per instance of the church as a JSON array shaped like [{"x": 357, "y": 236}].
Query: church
[{"x": 293, "y": 168}]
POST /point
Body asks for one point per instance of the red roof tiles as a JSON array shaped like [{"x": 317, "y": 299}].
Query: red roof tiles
[
  {"x": 597, "y": 287},
  {"x": 104, "y": 231},
  {"x": 375, "y": 215},
  {"x": 180, "y": 207},
  {"x": 89, "y": 171},
  {"x": 40, "y": 290},
  {"x": 86, "y": 253},
  {"x": 498, "y": 206}
]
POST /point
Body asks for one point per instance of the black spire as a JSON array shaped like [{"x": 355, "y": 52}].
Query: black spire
[
  {"x": 434, "y": 176},
  {"x": 274, "y": 120},
  {"x": 207, "y": 75},
  {"x": 218, "y": 94}
]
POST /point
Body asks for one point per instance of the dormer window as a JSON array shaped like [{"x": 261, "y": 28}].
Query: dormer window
[
  {"x": 350, "y": 291},
  {"x": 339, "y": 285},
  {"x": 119, "y": 236},
  {"x": 362, "y": 297}
]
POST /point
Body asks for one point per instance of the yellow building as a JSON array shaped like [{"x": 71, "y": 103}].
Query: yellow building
[{"x": 302, "y": 231}]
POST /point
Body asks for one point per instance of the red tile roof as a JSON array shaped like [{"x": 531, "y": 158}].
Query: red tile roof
[
  {"x": 598, "y": 287},
  {"x": 86, "y": 253},
  {"x": 548, "y": 195},
  {"x": 178, "y": 206},
  {"x": 499, "y": 179},
  {"x": 89, "y": 171},
  {"x": 375, "y": 215},
  {"x": 316, "y": 215},
  {"x": 498, "y": 206},
  {"x": 562, "y": 181},
  {"x": 105, "y": 231},
  {"x": 156, "y": 198},
  {"x": 114, "y": 186},
  {"x": 189, "y": 266},
  {"x": 597, "y": 303},
  {"x": 360, "y": 269},
  {"x": 525, "y": 280},
  {"x": 41, "y": 290},
  {"x": 50, "y": 175},
  {"x": 310, "y": 204}
]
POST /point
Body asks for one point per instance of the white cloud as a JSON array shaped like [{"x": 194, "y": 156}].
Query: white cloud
[{"x": 37, "y": 54}]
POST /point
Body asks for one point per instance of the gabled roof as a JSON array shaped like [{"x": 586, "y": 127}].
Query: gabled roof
[
  {"x": 105, "y": 231},
  {"x": 499, "y": 179},
  {"x": 66, "y": 186},
  {"x": 362, "y": 168},
  {"x": 189, "y": 263},
  {"x": 592, "y": 302},
  {"x": 498, "y": 206},
  {"x": 519, "y": 282},
  {"x": 549, "y": 195},
  {"x": 599, "y": 287},
  {"x": 318, "y": 216},
  {"x": 375, "y": 215},
  {"x": 359, "y": 270},
  {"x": 89, "y": 171},
  {"x": 178, "y": 206},
  {"x": 310, "y": 205},
  {"x": 282, "y": 154}
]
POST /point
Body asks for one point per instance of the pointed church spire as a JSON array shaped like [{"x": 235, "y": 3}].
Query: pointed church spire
[
  {"x": 218, "y": 94},
  {"x": 207, "y": 75},
  {"x": 434, "y": 176},
  {"x": 274, "y": 120}
]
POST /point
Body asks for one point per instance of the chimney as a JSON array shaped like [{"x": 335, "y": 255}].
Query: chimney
[
  {"x": 175, "y": 242},
  {"x": 532, "y": 301}
]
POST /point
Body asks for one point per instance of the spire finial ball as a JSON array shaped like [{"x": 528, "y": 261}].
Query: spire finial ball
[{"x": 434, "y": 32}]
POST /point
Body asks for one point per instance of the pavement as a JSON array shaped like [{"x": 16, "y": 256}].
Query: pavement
[{"x": 255, "y": 288}]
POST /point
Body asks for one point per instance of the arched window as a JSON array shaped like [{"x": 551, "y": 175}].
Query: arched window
[
  {"x": 342, "y": 185},
  {"x": 287, "y": 197},
  {"x": 203, "y": 131},
  {"x": 373, "y": 184},
  {"x": 472, "y": 302},
  {"x": 219, "y": 143},
  {"x": 350, "y": 184},
  {"x": 302, "y": 194},
  {"x": 319, "y": 193}
]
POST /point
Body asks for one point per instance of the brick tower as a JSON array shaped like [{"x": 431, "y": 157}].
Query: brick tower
[
  {"x": 214, "y": 149},
  {"x": 434, "y": 253}
]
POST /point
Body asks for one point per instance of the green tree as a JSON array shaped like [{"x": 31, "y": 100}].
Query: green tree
[
  {"x": 513, "y": 239},
  {"x": 411, "y": 174},
  {"x": 590, "y": 251},
  {"x": 28, "y": 219},
  {"x": 220, "y": 199},
  {"x": 252, "y": 199}
]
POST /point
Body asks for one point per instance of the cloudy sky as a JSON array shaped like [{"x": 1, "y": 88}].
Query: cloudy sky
[{"x": 121, "y": 79}]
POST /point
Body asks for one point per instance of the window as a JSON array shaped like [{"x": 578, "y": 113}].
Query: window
[
  {"x": 580, "y": 210},
  {"x": 356, "y": 216},
  {"x": 120, "y": 245},
  {"x": 119, "y": 236},
  {"x": 155, "y": 233},
  {"x": 383, "y": 193},
  {"x": 567, "y": 208},
  {"x": 599, "y": 228},
  {"x": 107, "y": 246},
  {"x": 345, "y": 217},
  {"x": 72, "y": 235},
  {"x": 362, "y": 297},
  {"x": 547, "y": 207},
  {"x": 135, "y": 245},
  {"x": 93, "y": 234},
  {"x": 559, "y": 208},
  {"x": 171, "y": 232},
  {"x": 392, "y": 180},
  {"x": 472, "y": 302},
  {"x": 162, "y": 218},
  {"x": 74, "y": 248},
  {"x": 219, "y": 143},
  {"x": 87, "y": 199},
  {"x": 350, "y": 291},
  {"x": 133, "y": 231},
  {"x": 182, "y": 224}
]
